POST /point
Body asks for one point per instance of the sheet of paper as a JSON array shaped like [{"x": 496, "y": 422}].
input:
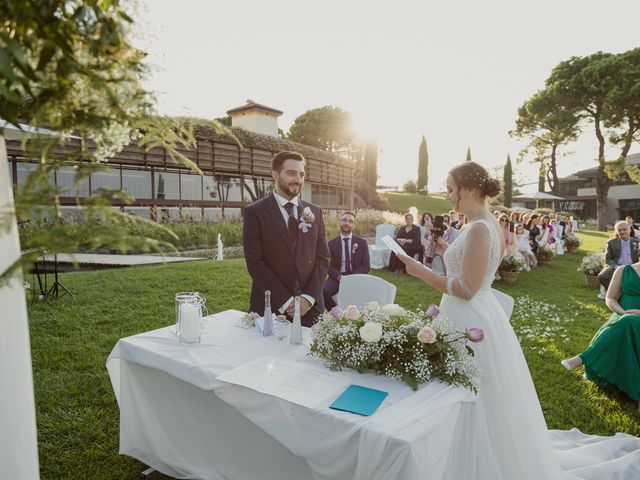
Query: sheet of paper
[
  {"x": 286, "y": 379},
  {"x": 393, "y": 245}
]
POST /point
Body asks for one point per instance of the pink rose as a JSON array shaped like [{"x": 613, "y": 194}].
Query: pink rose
[
  {"x": 433, "y": 310},
  {"x": 336, "y": 311},
  {"x": 427, "y": 335},
  {"x": 476, "y": 335},
  {"x": 352, "y": 312}
]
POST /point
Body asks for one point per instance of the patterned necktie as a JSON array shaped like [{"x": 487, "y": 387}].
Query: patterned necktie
[
  {"x": 291, "y": 223},
  {"x": 347, "y": 256}
]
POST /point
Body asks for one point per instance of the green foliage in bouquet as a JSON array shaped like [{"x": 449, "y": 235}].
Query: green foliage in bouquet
[
  {"x": 545, "y": 252},
  {"x": 592, "y": 264},
  {"x": 572, "y": 240},
  {"x": 512, "y": 263},
  {"x": 413, "y": 347}
]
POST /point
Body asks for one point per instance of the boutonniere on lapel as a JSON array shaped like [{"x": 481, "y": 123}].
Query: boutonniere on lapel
[
  {"x": 354, "y": 248},
  {"x": 307, "y": 220}
]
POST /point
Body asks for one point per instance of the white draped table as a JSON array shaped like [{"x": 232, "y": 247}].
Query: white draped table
[{"x": 178, "y": 418}]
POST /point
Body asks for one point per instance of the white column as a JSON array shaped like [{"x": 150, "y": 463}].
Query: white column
[{"x": 18, "y": 440}]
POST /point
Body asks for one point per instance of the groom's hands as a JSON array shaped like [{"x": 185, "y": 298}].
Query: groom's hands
[{"x": 305, "y": 306}]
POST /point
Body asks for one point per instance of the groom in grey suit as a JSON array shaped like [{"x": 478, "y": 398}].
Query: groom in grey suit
[{"x": 622, "y": 250}]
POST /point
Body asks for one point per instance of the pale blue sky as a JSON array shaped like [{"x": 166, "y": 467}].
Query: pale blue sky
[{"x": 454, "y": 71}]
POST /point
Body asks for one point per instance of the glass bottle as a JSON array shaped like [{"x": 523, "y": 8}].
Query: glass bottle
[
  {"x": 296, "y": 328},
  {"x": 267, "y": 324}
]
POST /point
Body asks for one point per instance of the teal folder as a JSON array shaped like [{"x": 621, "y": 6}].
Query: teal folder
[{"x": 359, "y": 399}]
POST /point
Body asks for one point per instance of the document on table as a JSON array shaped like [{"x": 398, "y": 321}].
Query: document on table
[
  {"x": 286, "y": 379},
  {"x": 393, "y": 245}
]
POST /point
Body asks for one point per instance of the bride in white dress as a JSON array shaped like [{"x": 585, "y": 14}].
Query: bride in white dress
[{"x": 508, "y": 429}]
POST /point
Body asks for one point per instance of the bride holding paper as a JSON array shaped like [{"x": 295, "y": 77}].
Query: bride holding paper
[{"x": 508, "y": 429}]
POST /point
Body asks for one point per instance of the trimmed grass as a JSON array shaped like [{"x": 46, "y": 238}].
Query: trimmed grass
[
  {"x": 401, "y": 202},
  {"x": 78, "y": 416}
]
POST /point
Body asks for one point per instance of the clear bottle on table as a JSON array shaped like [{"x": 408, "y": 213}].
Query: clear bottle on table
[
  {"x": 296, "y": 328},
  {"x": 267, "y": 324}
]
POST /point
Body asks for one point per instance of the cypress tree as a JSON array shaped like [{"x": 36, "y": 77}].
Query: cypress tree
[
  {"x": 423, "y": 167},
  {"x": 468, "y": 154},
  {"x": 508, "y": 182}
]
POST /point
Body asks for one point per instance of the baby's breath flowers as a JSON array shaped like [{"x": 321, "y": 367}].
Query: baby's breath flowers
[{"x": 413, "y": 347}]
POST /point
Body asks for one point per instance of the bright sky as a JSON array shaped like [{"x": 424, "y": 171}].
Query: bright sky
[{"x": 454, "y": 71}]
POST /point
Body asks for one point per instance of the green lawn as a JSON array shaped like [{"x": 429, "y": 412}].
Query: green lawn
[
  {"x": 77, "y": 413},
  {"x": 401, "y": 202}
]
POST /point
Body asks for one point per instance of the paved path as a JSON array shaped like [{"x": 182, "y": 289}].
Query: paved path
[{"x": 117, "y": 260}]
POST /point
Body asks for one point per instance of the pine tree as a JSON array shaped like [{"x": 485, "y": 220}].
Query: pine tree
[
  {"x": 423, "y": 167},
  {"x": 468, "y": 154},
  {"x": 508, "y": 182}
]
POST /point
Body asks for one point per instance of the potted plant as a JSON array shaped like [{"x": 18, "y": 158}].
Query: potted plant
[
  {"x": 544, "y": 254},
  {"x": 510, "y": 268},
  {"x": 572, "y": 242},
  {"x": 591, "y": 266}
]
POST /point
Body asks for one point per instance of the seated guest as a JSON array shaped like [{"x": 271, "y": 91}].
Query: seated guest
[
  {"x": 408, "y": 237},
  {"x": 562, "y": 222},
  {"x": 515, "y": 217},
  {"x": 621, "y": 250},
  {"x": 613, "y": 356},
  {"x": 525, "y": 221},
  {"x": 426, "y": 224},
  {"x": 535, "y": 233},
  {"x": 349, "y": 255},
  {"x": 635, "y": 230},
  {"x": 524, "y": 247}
]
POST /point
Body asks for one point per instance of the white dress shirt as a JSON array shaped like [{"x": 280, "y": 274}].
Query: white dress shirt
[{"x": 285, "y": 216}]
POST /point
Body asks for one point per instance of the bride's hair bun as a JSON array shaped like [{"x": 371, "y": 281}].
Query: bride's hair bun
[{"x": 473, "y": 176}]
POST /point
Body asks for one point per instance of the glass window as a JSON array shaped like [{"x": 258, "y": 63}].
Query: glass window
[
  {"x": 167, "y": 185},
  {"x": 316, "y": 194},
  {"x": 306, "y": 193},
  {"x": 139, "y": 211},
  {"x": 256, "y": 188},
  {"x": 222, "y": 188},
  {"x": 109, "y": 178},
  {"x": 232, "y": 214},
  {"x": 11, "y": 171},
  {"x": 137, "y": 183},
  {"x": 192, "y": 214},
  {"x": 67, "y": 185},
  {"x": 24, "y": 169},
  {"x": 191, "y": 186},
  {"x": 213, "y": 214}
]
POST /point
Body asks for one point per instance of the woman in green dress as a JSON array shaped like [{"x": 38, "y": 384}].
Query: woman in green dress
[{"x": 613, "y": 356}]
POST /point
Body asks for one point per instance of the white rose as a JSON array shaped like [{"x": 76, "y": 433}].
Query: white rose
[
  {"x": 371, "y": 332},
  {"x": 394, "y": 310},
  {"x": 371, "y": 306}
]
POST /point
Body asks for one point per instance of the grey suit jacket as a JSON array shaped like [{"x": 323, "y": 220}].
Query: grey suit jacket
[{"x": 613, "y": 250}]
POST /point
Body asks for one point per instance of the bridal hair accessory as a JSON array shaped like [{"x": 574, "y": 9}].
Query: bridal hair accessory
[{"x": 307, "y": 220}]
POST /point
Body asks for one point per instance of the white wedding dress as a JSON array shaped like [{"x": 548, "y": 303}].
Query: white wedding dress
[{"x": 507, "y": 434}]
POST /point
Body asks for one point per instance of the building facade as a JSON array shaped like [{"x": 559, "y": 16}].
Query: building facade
[
  {"x": 234, "y": 176},
  {"x": 579, "y": 193}
]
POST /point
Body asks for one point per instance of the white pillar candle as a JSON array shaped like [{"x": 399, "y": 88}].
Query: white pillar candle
[{"x": 189, "y": 323}]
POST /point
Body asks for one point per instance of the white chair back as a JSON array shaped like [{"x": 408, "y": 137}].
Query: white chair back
[
  {"x": 382, "y": 230},
  {"x": 505, "y": 301},
  {"x": 360, "y": 289}
]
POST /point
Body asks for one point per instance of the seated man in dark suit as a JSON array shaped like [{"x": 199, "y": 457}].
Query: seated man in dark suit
[
  {"x": 622, "y": 250},
  {"x": 349, "y": 255}
]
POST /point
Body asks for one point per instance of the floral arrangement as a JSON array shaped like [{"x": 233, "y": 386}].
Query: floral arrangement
[
  {"x": 545, "y": 251},
  {"x": 413, "y": 347},
  {"x": 572, "y": 240},
  {"x": 512, "y": 263},
  {"x": 592, "y": 264}
]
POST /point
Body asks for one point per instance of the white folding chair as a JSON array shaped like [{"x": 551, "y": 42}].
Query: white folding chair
[
  {"x": 379, "y": 253},
  {"x": 505, "y": 301},
  {"x": 359, "y": 289}
]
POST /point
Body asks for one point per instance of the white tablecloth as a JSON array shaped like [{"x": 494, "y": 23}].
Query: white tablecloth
[{"x": 177, "y": 418}]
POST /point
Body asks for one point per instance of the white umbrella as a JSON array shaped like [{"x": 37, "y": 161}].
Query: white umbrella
[{"x": 537, "y": 196}]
